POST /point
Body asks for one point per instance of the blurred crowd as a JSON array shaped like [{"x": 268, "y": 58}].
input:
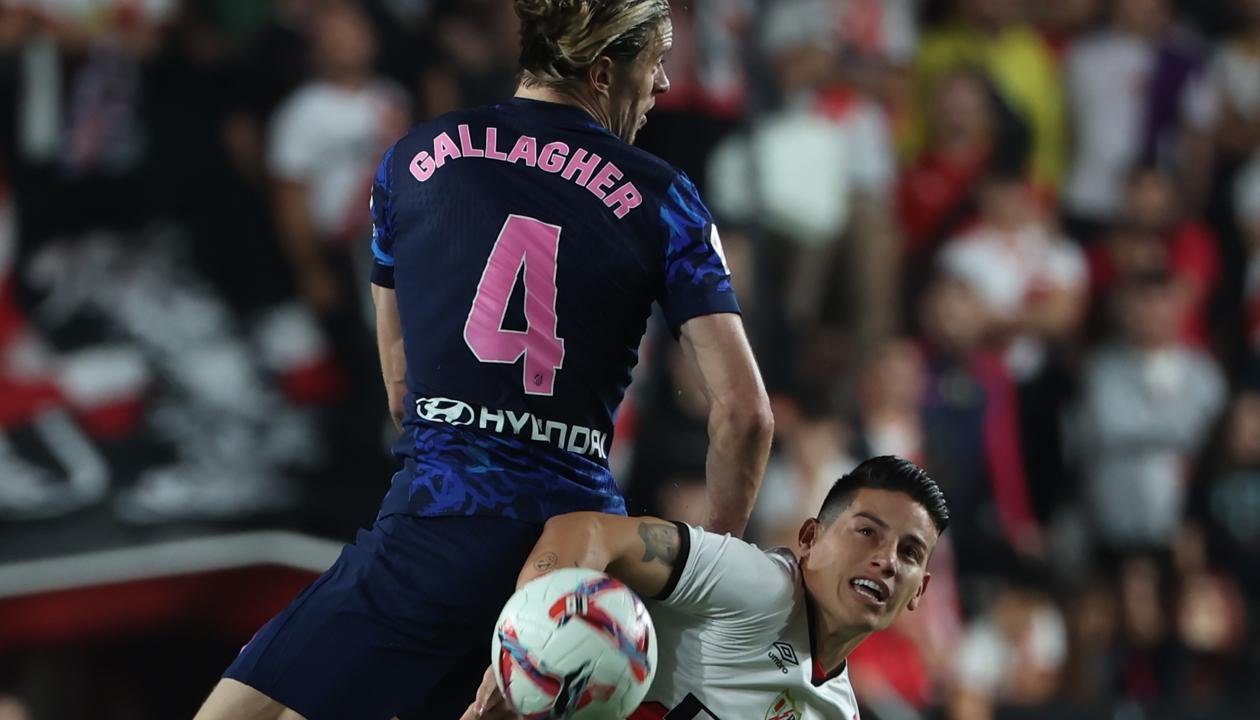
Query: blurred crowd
[{"x": 1016, "y": 242}]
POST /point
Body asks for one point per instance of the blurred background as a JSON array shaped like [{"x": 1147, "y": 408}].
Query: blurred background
[{"x": 1017, "y": 242}]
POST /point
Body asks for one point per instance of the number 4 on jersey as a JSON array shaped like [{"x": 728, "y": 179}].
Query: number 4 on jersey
[{"x": 534, "y": 244}]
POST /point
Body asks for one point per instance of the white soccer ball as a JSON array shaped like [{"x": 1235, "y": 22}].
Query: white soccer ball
[{"x": 574, "y": 643}]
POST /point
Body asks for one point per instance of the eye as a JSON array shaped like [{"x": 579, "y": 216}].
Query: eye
[
  {"x": 868, "y": 532},
  {"x": 911, "y": 554}
]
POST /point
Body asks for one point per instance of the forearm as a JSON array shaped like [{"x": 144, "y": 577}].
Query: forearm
[
  {"x": 573, "y": 540},
  {"x": 296, "y": 231},
  {"x": 1056, "y": 317},
  {"x": 740, "y": 421},
  {"x": 739, "y": 446},
  {"x": 640, "y": 551}
]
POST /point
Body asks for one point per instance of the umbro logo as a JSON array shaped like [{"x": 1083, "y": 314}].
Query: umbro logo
[
  {"x": 782, "y": 655},
  {"x": 787, "y": 653}
]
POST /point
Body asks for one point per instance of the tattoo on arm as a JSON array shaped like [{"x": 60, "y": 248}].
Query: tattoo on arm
[
  {"x": 546, "y": 562},
  {"x": 660, "y": 542}
]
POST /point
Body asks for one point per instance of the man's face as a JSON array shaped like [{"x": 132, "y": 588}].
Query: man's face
[
  {"x": 870, "y": 562},
  {"x": 635, "y": 85}
]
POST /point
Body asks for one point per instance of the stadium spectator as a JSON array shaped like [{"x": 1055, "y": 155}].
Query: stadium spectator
[
  {"x": 994, "y": 36},
  {"x": 836, "y": 226},
  {"x": 1012, "y": 658},
  {"x": 1156, "y": 233},
  {"x": 1148, "y": 402},
  {"x": 1138, "y": 94},
  {"x": 1224, "y": 507},
  {"x": 934, "y": 192},
  {"x": 1235, "y": 77},
  {"x": 1033, "y": 281},
  {"x": 323, "y": 146}
]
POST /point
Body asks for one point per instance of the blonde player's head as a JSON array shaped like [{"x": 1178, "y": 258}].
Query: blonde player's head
[
  {"x": 606, "y": 52},
  {"x": 864, "y": 558}
]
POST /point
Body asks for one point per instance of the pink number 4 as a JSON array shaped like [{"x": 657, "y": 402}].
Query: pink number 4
[{"x": 534, "y": 244}]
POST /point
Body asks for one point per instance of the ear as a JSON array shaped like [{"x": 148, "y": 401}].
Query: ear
[
  {"x": 809, "y": 533},
  {"x": 914, "y": 601},
  {"x": 600, "y": 75}
]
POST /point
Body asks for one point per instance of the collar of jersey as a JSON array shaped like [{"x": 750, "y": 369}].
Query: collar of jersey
[
  {"x": 819, "y": 674},
  {"x": 573, "y": 112}
]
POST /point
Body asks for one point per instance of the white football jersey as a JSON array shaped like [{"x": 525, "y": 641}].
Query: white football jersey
[{"x": 734, "y": 640}]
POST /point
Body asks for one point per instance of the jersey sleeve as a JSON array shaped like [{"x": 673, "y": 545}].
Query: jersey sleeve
[
  {"x": 724, "y": 577},
  {"x": 382, "y": 206},
  {"x": 697, "y": 280}
]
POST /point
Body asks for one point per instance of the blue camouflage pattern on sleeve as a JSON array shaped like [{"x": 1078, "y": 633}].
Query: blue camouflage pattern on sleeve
[
  {"x": 382, "y": 207},
  {"x": 697, "y": 281}
]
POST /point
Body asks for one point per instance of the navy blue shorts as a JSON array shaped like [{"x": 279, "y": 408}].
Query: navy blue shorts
[{"x": 399, "y": 626}]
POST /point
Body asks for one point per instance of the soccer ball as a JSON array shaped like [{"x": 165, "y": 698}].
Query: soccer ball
[{"x": 576, "y": 644}]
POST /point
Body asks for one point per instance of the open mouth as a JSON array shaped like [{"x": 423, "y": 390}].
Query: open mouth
[{"x": 871, "y": 590}]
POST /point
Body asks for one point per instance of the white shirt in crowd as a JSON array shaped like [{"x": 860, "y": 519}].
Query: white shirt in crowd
[
  {"x": 332, "y": 138},
  {"x": 735, "y": 640},
  {"x": 1144, "y": 417},
  {"x": 1107, "y": 76},
  {"x": 1008, "y": 270}
]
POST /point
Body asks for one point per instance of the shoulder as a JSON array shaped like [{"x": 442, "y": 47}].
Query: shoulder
[
  {"x": 447, "y": 122},
  {"x": 1090, "y": 46},
  {"x": 302, "y": 107},
  {"x": 760, "y": 578},
  {"x": 972, "y": 245}
]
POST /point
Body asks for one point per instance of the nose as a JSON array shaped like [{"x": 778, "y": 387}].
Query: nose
[
  {"x": 660, "y": 85},
  {"x": 884, "y": 560}
]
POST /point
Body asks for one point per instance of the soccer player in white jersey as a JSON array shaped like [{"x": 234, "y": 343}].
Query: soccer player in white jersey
[{"x": 749, "y": 633}]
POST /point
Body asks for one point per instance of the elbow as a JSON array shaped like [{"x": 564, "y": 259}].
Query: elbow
[
  {"x": 571, "y": 521},
  {"x": 749, "y": 418}
]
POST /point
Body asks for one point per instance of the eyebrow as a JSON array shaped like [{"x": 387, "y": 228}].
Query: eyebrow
[{"x": 872, "y": 518}]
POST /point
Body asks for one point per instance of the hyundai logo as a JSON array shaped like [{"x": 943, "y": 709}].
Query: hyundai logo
[{"x": 445, "y": 410}]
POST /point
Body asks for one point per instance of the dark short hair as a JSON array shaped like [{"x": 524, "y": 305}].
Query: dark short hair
[{"x": 887, "y": 472}]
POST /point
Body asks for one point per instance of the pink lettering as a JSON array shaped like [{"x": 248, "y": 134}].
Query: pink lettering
[
  {"x": 465, "y": 143},
  {"x": 586, "y": 167},
  {"x": 492, "y": 144},
  {"x": 603, "y": 180},
  {"x": 626, "y": 198},
  {"x": 552, "y": 157},
  {"x": 444, "y": 149},
  {"x": 422, "y": 166},
  {"x": 526, "y": 149}
]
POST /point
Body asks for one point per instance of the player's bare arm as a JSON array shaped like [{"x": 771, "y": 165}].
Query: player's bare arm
[
  {"x": 640, "y": 552},
  {"x": 389, "y": 342},
  {"x": 740, "y": 421}
]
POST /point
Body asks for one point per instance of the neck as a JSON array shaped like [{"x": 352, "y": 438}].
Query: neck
[
  {"x": 832, "y": 641},
  {"x": 963, "y": 149},
  {"x": 580, "y": 100},
  {"x": 349, "y": 80}
]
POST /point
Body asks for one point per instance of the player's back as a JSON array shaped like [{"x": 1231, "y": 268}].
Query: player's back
[{"x": 528, "y": 244}]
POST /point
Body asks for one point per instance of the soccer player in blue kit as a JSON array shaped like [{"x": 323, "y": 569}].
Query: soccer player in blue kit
[{"x": 519, "y": 249}]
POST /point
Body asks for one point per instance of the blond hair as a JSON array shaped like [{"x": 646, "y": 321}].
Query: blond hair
[{"x": 562, "y": 38}]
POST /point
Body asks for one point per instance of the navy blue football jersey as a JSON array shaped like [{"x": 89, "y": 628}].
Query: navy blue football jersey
[{"x": 526, "y": 245}]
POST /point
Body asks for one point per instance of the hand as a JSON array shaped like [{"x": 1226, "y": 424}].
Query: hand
[
  {"x": 489, "y": 704},
  {"x": 318, "y": 287}
]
